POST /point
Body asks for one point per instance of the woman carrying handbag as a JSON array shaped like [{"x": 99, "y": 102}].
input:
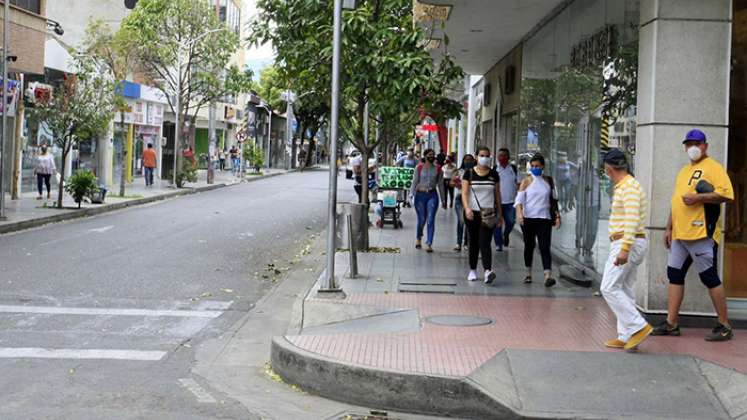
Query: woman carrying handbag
[
  {"x": 537, "y": 213},
  {"x": 481, "y": 198}
]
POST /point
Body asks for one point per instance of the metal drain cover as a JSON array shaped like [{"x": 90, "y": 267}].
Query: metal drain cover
[{"x": 458, "y": 320}]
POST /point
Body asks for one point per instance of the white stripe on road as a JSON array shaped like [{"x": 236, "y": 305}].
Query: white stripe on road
[
  {"x": 40, "y": 353},
  {"x": 199, "y": 392},
  {"x": 57, "y": 310}
]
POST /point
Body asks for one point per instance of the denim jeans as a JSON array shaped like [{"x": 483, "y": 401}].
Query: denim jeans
[
  {"x": 509, "y": 220},
  {"x": 148, "y": 175},
  {"x": 459, "y": 209},
  {"x": 426, "y": 206}
]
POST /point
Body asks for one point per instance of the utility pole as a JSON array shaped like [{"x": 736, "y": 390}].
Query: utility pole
[
  {"x": 3, "y": 124},
  {"x": 330, "y": 284}
]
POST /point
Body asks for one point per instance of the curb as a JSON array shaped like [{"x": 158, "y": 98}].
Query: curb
[
  {"x": 368, "y": 387},
  {"x": 92, "y": 211}
]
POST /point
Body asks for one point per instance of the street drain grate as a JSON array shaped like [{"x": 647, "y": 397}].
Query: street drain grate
[{"x": 458, "y": 320}]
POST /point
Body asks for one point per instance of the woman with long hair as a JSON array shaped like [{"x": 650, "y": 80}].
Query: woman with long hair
[
  {"x": 468, "y": 163},
  {"x": 428, "y": 181},
  {"x": 481, "y": 198}
]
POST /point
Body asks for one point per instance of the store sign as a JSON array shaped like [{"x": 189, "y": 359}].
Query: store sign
[{"x": 594, "y": 50}]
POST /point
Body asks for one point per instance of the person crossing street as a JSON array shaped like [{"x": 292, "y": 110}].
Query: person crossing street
[{"x": 628, "y": 247}]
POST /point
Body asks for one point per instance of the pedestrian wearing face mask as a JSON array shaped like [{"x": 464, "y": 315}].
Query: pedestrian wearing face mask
[
  {"x": 509, "y": 187},
  {"x": 427, "y": 183},
  {"x": 693, "y": 233},
  {"x": 537, "y": 212},
  {"x": 481, "y": 198},
  {"x": 468, "y": 163}
]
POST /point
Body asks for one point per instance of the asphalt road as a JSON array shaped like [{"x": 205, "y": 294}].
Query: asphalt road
[{"x": 99, "y": 317}]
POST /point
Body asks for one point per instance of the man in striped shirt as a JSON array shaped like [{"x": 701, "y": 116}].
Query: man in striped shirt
[{"x": 628, "y": 246}]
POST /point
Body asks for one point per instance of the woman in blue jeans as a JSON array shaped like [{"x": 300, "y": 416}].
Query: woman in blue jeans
[
  {"x": 468, "y": 163},
  {"x": 427, "y": 182}
]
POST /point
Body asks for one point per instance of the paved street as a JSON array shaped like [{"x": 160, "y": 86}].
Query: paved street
[{"x": 99, "y": 317}]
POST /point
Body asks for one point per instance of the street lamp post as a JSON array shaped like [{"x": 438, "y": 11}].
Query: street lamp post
[
  {"x": 3, "y": 123},
  {"x": 330, "y": 285}
]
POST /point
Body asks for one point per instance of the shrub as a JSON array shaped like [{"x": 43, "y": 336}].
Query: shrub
[
  {"x": 81, "y": 185},
  {"x": 187, "y": 174}
]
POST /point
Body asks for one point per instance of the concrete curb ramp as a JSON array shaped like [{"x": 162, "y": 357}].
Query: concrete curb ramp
[
  {"x": 106, "y": 208},
  {"x": 532, "y": 384}
]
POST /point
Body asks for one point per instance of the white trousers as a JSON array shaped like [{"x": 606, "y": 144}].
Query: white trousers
[{"x": 617, "y": 288}]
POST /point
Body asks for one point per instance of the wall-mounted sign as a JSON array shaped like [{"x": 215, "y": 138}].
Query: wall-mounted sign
[{"x": 594, "y": 50}]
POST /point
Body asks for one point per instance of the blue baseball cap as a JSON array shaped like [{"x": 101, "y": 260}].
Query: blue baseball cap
[{"x": 695, "y": 135}]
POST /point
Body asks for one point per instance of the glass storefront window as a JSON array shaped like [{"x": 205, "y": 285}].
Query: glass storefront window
[{"x": 578, "y": 95}]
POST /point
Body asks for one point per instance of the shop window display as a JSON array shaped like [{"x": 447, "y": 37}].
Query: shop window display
[{"x": 578, "y": 96}]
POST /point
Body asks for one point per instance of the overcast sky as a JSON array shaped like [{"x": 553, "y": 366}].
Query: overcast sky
[{"x": 261, "y": 53}]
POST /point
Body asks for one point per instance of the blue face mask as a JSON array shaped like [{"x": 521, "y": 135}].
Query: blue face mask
[{"x": 536, "y": 171}]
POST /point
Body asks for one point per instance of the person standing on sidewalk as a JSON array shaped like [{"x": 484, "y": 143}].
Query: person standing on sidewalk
[
  {"x": 468, "y": 163},
  {"x": 427, "y": 183},
  {"x": 628, "y": 247},
  {"x": 481, "y": 197},
  {"x": 693, "y": 233},
  {"x": 149, "y": 164},
  {"x": 233, "y": 153},
  {"x": 537, "y": 212},
  {"x": 509, "y": 187},
  {"x": 44, "y": 169},
  {"x": 448, "y": 169},
  {"x": 222, "y": 159}
]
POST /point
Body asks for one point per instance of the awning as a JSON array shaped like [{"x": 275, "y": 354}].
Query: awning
[{"x": 481, "y": 32}]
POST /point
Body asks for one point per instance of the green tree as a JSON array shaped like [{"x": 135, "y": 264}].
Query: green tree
[
  {"x": 80, "y": 108},
  {"x": 166, "y": 30},
  {"x": 385, "y": 67},
  {"x": 113, "y": 52},
  {"x": 271, "y": 87}
]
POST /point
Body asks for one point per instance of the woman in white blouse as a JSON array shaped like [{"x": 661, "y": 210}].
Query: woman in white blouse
[
  {"x": 44, "y": 169},
  {"x": 537, "y": 212}
]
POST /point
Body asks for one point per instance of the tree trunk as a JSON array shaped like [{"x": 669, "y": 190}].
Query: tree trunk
[
  {"x": 123, "y": 177},
  {"x": 61, "y": 184}
]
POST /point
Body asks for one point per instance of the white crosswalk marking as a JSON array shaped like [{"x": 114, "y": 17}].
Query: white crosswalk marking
[
  {"x": 111, "y": 333},
  {"x": 40, "y": 353},
  {"x": 56, "y": 310}
]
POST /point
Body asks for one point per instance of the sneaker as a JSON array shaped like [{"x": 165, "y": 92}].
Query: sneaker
[
  {"x": 638, "y": 337},
  {"x": 458, "y": 248},
  {"x": 489, "y": 276},
  {"x": 428, "y": 249},
  {"x": 499, "y": 249},
  {"x": 665, "y": 329},
  {"x": 615, "y": 343},
  {"x": 472, "y": 276},
  {"x": 720, "y": 333}
]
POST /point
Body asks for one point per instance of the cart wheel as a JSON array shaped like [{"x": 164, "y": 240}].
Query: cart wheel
[{"x": 399, "y": 224}]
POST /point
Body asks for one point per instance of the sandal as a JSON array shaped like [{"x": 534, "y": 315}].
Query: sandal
[{"x": 428, "y": 249}]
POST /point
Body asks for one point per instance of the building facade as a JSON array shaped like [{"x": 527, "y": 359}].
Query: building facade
[{"x": 571, "y": 79}]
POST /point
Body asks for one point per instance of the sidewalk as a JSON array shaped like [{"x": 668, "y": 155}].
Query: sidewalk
[
  {"x": 412, "y": 334},
  {"x": 28, "y": 212}
]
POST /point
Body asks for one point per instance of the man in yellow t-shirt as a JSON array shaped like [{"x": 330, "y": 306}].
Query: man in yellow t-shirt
[{"x": 693, "y": 233}]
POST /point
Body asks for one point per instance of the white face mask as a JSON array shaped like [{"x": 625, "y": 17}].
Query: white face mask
[
  {"x": 694, "y": 153},
  {"x": 484, "y": 161}
]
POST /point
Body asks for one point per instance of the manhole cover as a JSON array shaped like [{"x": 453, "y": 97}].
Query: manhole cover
[{"x": 458, "y": 320}]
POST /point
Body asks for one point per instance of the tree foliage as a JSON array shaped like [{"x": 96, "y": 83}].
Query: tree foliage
[
  {"x": 163, "y": 30},
  {"x": 80, "y": 108},
  {"x": 383, "y": 64}
]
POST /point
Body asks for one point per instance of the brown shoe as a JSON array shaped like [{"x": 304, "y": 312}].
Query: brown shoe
[
  {"x": 614, "y": 344},
  {"x": 418, "y": 244},
  {"x": 638, "y": 337},
  {"x": 428, "y": 249}
]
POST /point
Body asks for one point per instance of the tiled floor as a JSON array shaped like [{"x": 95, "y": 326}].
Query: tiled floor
[{"x": 564, "y": 324}]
